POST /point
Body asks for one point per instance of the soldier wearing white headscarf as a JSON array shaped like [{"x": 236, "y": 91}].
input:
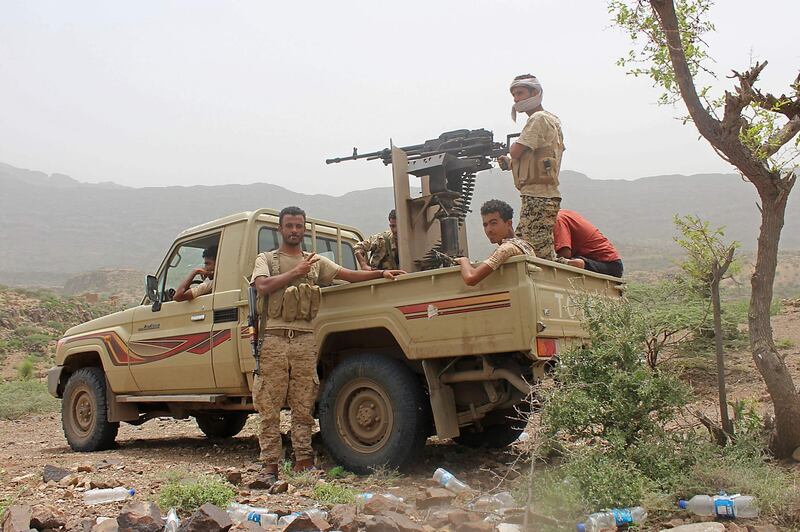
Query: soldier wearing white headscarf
[{"x": 535, "y": 161}]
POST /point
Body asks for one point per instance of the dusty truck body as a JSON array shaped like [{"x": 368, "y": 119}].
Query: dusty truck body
[{"x": 399, "y": 360}]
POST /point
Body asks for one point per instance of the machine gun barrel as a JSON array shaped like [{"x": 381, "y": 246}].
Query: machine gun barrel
[{"x": 460, "y": 143}]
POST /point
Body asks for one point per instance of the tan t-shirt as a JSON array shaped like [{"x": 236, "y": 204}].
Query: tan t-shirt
[
  {"x": 505, "y": 251},
  {"x": 536, "y": 172},
  {"x": 202, "y": 288},
  {"x": 327, "y": 270}
]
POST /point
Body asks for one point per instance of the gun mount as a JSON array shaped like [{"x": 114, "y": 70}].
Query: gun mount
[{"x": 431, "y": 227}]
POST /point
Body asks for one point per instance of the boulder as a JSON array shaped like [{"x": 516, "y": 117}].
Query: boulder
[
  {"x": 433, "y": 497},
  {"x": 140, "y": 516},
  {"x": 343, "y": 517},
  {"x": 379, "y": 504},
  {"x": 17, "y": 518},
  {"x": 392, "y": 521},
  {"x": 307, "y": 522},
  {"x": 53, "y": 473},
  {"x": 207, "y": 518},
  {"x": 46, "y": 516}
]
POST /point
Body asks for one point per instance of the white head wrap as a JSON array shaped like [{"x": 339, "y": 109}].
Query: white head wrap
[{"x": 528, "y": 104}]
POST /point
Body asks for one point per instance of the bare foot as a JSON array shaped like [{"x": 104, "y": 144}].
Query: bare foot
[{"x": 577, "y": 263}]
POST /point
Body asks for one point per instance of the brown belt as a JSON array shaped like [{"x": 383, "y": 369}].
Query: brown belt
[{"x": 284, "y": 333}]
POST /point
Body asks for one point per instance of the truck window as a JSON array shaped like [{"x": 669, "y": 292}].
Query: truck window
[
  {"x": 187, "y": 257},
  {"x": 268, "y": 240}
]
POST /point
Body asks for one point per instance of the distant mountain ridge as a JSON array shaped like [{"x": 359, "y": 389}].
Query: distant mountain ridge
[{"x": 53, "y": 226}]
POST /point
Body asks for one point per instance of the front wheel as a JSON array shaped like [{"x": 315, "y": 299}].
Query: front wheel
[
  {"x": 221, "y": 425},
  {"x": 84, "y": 412},
  {"x": 373, "y": 412}
]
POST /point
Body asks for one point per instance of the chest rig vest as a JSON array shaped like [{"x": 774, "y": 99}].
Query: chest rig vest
[
  {"x": 537, "y": 171},
  {"x": 521, "y": 245},
  {"x": 300, "y": 299}
]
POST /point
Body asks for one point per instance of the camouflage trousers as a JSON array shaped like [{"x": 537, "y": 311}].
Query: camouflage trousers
[
  {"x": 288, "y": 376},
  {"x": 537, "y": 217}
]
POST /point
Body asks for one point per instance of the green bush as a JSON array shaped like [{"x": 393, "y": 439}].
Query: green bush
[
  {"x": 25, "y": 370},
  {"x": 18, "y": 398},
  {"x": 333, "y": 494},
  {"x": 188, "y": 494}
]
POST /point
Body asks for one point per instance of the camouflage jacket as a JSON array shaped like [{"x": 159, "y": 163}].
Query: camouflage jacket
[{"x": 380, "y": 251}]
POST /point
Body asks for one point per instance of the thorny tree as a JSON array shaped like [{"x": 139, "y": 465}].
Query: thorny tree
[{"x": 754, "y": 131}]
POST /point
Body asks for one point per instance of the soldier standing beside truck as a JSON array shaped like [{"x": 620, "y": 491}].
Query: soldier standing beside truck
[
  {"x": 380, "y": 251},
  {"x": 291, "y": 278},
  {"x": 498, "y": 225},
  {"x": 535, "y": 161}
]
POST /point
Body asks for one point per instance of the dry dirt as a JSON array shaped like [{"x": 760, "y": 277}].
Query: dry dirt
[{"x": 144, "y": 455}]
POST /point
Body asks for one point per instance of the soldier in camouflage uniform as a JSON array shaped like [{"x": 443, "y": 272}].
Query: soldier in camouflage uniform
[
  {"x": 498, "y": 225},
  {"x": 291, "y": 278},
  {"x": 535, "y": 161},
  {"x": 380, "y": 249}
]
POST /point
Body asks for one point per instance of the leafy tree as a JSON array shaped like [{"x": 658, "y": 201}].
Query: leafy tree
[
  {"x": 754, "y": 131},
  {"x": 708, "y": 261}
]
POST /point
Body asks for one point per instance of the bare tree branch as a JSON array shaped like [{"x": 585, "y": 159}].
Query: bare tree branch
[{"x": 782, "y": 137}]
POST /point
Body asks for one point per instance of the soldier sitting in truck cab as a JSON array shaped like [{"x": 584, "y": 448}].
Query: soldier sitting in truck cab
[
  {"x": 499, "y": 228},
  {"x": 187, "y": 291}
]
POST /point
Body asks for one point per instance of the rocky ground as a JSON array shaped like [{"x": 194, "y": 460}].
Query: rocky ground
[{"x": 38, "y": 468}]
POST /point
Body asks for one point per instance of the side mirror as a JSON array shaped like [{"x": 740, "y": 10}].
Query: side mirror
[{"x": 151, "y": 285}]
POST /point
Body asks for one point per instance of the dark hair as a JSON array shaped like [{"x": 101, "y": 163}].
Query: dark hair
[
  {"x": 210, "y": 252},
  {"x": 291, "y": 211},
  {"x": 524, "y": 76},
  {"x": 502, "y": 208},
  {"x": 393, "y": 214}
]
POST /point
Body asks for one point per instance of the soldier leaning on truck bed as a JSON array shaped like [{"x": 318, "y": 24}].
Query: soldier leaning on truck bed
[
  {"x": 535, "y": 161},
  {"x": 498, "y": 225},
  {"x": 185, "y": 290},
  {"x": 291, "y": 278},
  {"x": 380, "y": 251}
]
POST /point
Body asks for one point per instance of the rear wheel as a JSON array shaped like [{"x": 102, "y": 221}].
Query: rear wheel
[
  {"x": 373, "y": 412},
  {"x": 84, "y": 412},
  {"x": 221, "y": 425}
]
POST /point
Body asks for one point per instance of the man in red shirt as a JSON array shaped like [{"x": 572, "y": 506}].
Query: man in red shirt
[{"x": 577, "y": 239}]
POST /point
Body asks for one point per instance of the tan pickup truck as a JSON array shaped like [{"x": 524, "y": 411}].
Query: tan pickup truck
[{"x": 399, "y": 360}]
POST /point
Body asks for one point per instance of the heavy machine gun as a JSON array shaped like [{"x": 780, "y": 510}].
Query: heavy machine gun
[
  {"x": 475, "y": 143},
  {"x": 447, "y": 166}
]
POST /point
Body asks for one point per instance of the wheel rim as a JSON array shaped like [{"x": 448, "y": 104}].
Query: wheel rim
[
  {"x": 83, "y": 411},
  {"x": 364, "y": 415}
]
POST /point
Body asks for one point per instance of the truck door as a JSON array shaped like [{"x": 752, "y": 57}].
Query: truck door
[{"x": 171, "y": 345}]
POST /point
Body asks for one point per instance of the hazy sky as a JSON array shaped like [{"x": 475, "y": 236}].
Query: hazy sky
[{"x": 152, "y": 93}]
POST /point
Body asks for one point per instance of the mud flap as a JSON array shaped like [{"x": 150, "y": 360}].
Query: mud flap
[
  {"x": 443, "y": 403},
  {"x": 119, "y": 411}
]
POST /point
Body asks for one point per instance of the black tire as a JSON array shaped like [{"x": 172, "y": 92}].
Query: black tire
[
  {"x": 373, "y": 411},
  {"x": 495, "y": 436},
  {"x": 221, "y": 425},
  {"x": 84, "y": 412}
]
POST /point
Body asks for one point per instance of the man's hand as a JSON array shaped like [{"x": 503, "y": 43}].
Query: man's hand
[
  {"x": 304, "y": 266},
  {"x": 391, "y": 274},
  {"x": 461, "y": 260},
  {"x": 505, "y": 162},
  {"x": 202, "y": 272},
  {"x": 365, "y": 266}
]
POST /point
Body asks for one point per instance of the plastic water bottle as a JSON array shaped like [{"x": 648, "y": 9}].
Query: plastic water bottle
[
  {"x": 487, "y": 503},
  {"x": 362, "y": 498},
  {"x": 447, "y": 480},
  {"x": 100, "y": 496},
  {"x": 723, "y": 505},
  {"x": 311, "y": 512},
  {"x": 172, "y": 522},
  {"x": 613, "y": 518},
  {"x": 240, "y": 513}
]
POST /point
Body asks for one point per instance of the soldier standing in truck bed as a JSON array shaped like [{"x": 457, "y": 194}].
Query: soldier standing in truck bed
[
  {"x": 291, "y": 278},
  {"x": 535, "y": 161},
  {"x": 380, "y": 251}
]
